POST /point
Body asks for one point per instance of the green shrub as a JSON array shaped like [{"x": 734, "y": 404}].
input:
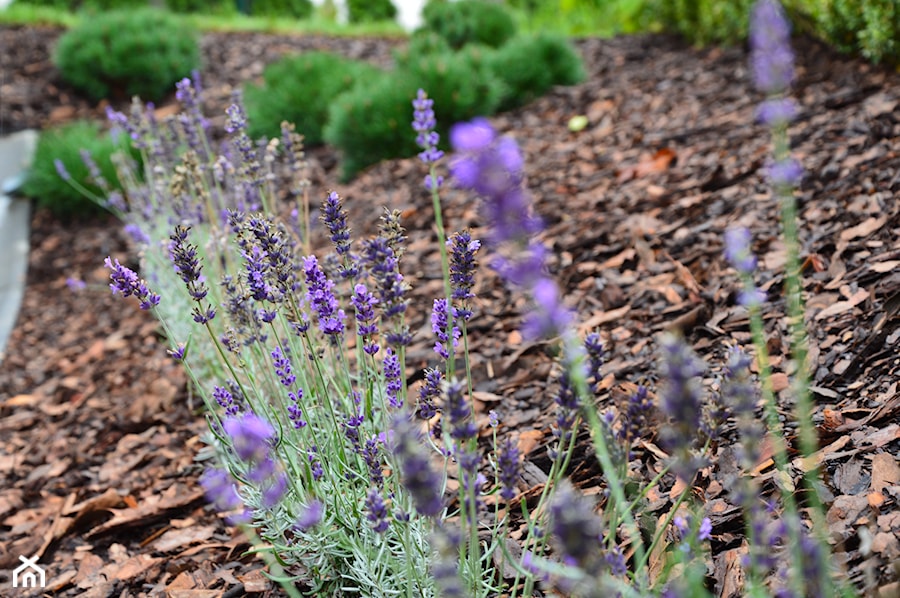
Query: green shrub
[
  {"x": 530, "y": 65},
  {"x": 421, "y": 43},
  {"x": 703, "y": 21},
  {"x": 363, "y": 11},
  {"x": 469, "y": 21},
  {"x": 126, "y": 53},
  {"x": 371, "y": 123},
  {"x": 107, "y": 5},
  {"x": 299, "y": 89},
  {"x": 44, "y": 182},
  {"x": 297, "y": 9},
  {"x": 870, "y": 27},
  {"x": 216, "y": 7}
]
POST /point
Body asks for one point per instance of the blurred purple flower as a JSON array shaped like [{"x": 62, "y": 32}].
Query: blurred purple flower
[
  {"x": 61, "y": 170},
  {"x": 738, "y": 251},
  {"x": 310, "y": 515},
  {"x": 550, "y": 318},
  {"x": 508, "y": 466},
  {"x": 577, "y": 530},
  {"x": 221, "y": 491},
  {"x": 420, "y": 479},
  {"x": 776, "y": 112},
  {"x": 784, "y": 173},
  {"x": 770, "y": 42},
  {"x": 250, "y": 436},
  {"x": 75, "y": 284}
]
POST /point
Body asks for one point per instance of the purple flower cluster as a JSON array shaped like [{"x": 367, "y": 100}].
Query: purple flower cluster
[
  {"x": 366, "y": 324},
  {"x": 225, "y": 400},
  {"x": 635, "y": 416},
  {"x": 335, "y": 218},
  {"x": 492, "y": 167},
  {"x": 441, "y": 326},
  {"x": 429, "y": 392},
  {"x": 321, "y": 297},
  {"x": 285, "y": 374},
  {"x": 681, "y": 400},
  {"x": 462, "y": 271},
  {"x": 392, "y": 378},
  {"x": 576, "y": 529},
  {"x": 419, "y": 478},
  {"x": 508, "y": 469},
  {"x": 739, "y": 253},
  {"x": 221, "y": 491},
  {"x": 126, "y": 282},
  {"x": 426, "y": 137},
  {"x": 384, "y": 267},
  {"x": 376, "y": 511},
  {"x": 770, "y": 40},
  {"x": 596, "y": 355},
  {"x": 187, "y": 266}
]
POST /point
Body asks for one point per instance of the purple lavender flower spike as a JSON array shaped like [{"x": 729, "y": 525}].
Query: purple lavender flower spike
[
  {"x": 221, "y": 490},
  {"x": 274, "y": 491},
  {"x": 593, "y": 345},
  {"x": 61, "y": 170},
  {"x": 187, "y": 263},
  {"x": 250, "y": 436},
  {"x": 738, "y": 251},
  {"x": 372, "y": 455},
  {"x": 681, "y": 399},
  {"x": 376, "y": 511},
  {"x": 335, "y": 219},
  {"x": 75, "y": 284},
  {"x": 776, "y": 112},
  {"x": 226, "y": 401},
  {"x": 321, "y": 297},
  {"x": 427, "y": 138},
  {"x": 392, "y": 378},
  {"x": 492, "y": 167},
  {"x": 550, "y": 318},
  {"x": 462, "y": 428},
  {"x": 462, "y": 271},
  {"x": 784, "y": 173},
  {"x": 576, "y": 529},
  {"x": 770, "y": 40},
  {"x": 126, "y": 282},
  {"x": 422, "y": 482},
  {"x": 366, "y": 325},
  {"x": 178, "y": 353},
  {"x": 429, "y": 392},
  {"x": 508, "y": 466},
  {"x": 440, "y": 322}
]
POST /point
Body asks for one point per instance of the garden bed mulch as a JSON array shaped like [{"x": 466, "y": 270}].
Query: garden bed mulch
[{"x": 97, "y": 443}]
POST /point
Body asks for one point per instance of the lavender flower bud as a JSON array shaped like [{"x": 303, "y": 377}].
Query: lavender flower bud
[
  {"x": 549, "y": 318},
  {"x": 226, "y": 401},
  {"x": 126, "y": 282},
  {"x": 187, "y": 263},
  {"x": 392, "y": 378},
  {"x": 785, "y": 173},
  {"x": 596, "y": 356},
  {"x": 777, "y": 112},
  {"x": 738, "y": 251},
  {"x": 462, "y": 428},
  {"x": 366, "y": 325},
  {"x": 681, "y": 399}
]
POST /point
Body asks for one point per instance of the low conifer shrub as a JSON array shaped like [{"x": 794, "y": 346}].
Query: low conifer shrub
[
  {"x": 121, "y": 54},
  {"x": 469, "y": 21},
  {"x": 370, "y": 123},
  {"x": 72, "y": 173},
  {"x": 300, "y": 89},
  {"x": 530, "y": 65},
  {"x": 362, "y": 11}
]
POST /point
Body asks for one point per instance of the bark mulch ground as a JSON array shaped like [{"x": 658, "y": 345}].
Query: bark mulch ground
[{"x": 98, "y": 445}]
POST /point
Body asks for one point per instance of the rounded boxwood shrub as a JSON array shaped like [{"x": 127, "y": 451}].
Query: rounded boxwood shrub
[
  {"x": 530, "y": 65},
  {"x": 469, "y": 21},
  {"x": 217, "y": 7},
  {"x": 45, "y": 182},
  {"x": 298, "y": 9},
  {"x": 372, "y": 123},
  {"x": 126, "y": 53},
  {"x": 421, "y": 43},
  {"x": 299, "y": 89},
  {"x": 870, "y": 27},
  {"x": 362, "y": 11}
]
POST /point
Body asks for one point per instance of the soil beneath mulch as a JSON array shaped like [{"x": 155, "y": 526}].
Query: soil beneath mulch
[{"x": 98, "y": 443}]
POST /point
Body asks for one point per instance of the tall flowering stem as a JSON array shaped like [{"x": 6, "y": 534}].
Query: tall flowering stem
[
  {"x": 491, "y": 166},
  {"x": 773, "y": 72}
]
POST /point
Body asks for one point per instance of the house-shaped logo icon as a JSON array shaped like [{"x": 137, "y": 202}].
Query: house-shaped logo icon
[{"x": 28, "y": 574}]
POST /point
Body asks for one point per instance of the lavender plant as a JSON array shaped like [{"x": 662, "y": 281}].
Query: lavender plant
[{"x": 332, "y": 463}]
